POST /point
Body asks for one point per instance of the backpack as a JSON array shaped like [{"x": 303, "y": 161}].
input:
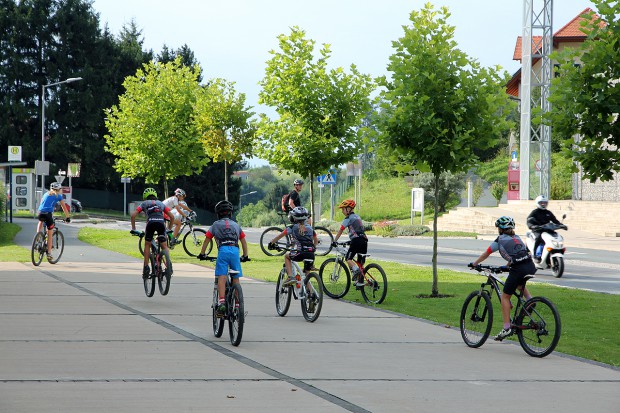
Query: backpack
[{"x": 285, "y": 206}]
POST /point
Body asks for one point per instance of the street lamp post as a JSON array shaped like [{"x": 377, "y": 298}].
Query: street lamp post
[{"x": 71, "y": 79}]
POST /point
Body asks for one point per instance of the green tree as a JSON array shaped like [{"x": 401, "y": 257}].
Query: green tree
[
  {"x": 224, "y": 124},
  {"x": 318, "y": 109},
  {"x": 450, "y": 187},
  {"x": 439, "y": 105},
  {"x": 586, "y": 97},
  {"x": 151, "y": 131}
]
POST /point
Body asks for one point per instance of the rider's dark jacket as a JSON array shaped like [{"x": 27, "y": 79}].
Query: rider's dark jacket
[{"x": 540, "y": 217}]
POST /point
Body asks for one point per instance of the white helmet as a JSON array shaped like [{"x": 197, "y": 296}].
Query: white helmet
[
  {"x": 541, "y": 202},
  {"x": 55, "y": 186},
  {"x": 179, "y": 192}
]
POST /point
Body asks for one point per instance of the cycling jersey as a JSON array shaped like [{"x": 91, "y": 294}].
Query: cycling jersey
[
  {"x": 355, "y": 226},
  {"x": 153, "y": 209},
  {"x": 301, "y": 242},
  {"x": 49, "y": 201},
  {"x": 511, "y": 248},
  {"x": 226, "y": 232},
  {"x": 171, "y": 202}
]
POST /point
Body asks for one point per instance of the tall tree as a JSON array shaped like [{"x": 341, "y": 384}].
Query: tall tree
[
  {"x": 151, "y": 132},
  {"x": 224, "y": 124},
  {"x": 439, "y": 105},
  {"x": 585, "y": 97},
  {"x": 318, "y": 109}
]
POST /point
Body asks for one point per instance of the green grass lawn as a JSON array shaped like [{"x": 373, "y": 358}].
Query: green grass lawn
[
  {"x": 589, "y": 320},
  {"x": 8, "y": 250}
]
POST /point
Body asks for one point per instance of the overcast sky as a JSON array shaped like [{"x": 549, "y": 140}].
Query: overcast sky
[{"x": 231, "y": 39}]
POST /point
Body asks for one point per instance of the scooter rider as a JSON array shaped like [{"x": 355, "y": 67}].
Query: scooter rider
[{"x": 540, "y": 216}]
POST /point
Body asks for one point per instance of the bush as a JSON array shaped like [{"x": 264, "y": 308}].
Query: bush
[
  {"x": 257, "y": 215},
  {"x": 393, "y": 229},
  {"x": 497, "y": 190}
]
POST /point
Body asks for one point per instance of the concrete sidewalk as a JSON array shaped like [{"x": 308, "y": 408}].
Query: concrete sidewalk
[{"x": 83, "y": 337}]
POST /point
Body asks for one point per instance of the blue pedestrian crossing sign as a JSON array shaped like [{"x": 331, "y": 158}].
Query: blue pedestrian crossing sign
[{"x": 327, "y": 179}]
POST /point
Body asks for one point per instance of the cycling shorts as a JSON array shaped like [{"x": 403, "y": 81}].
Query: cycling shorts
[
  {"x": 48, "y": 218},
  {"x": 152, "y": 227},
  {"x": 228, "y": 257},
  {"x": 359, "y": 245},
  {"x": 516, "y": 275}
]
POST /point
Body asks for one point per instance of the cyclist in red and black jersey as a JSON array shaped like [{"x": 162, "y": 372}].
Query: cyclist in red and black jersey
[{"x": 154, "y": 211}]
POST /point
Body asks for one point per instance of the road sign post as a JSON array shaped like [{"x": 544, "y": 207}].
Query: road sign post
[{"x": 125, "y": 180}]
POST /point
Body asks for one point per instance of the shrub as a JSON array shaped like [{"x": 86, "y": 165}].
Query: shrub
[{"x": 497, "y": 190}]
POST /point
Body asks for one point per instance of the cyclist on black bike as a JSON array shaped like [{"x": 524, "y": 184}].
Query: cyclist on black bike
[
  {"x": 227, "y": 234},
  {"x": 46, "y": 210},
  {"x": 304, "y": 241},
  {"x": 513, "y": 250},
  {"x": 177, "y": 206},
  {"x": 154, "y": 211},
  {"x": 359, "y": 240}
]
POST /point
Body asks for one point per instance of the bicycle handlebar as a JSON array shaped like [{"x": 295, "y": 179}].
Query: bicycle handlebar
[
  {"x": 492, "y": 268},
  {"x": 201, "y": 257}
]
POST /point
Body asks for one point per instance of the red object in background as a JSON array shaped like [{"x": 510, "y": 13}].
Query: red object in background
[{"x": 514, "y": 179}]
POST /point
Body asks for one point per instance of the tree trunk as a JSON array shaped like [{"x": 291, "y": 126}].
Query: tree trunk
[
  {"x": 312, "y": 218},
  {"x": 165, "y": 188},
  {"x": 435, "y": 291},
  {"x": 226, "y": 180}
]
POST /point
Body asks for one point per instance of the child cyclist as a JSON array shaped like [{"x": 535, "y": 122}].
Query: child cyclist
[
  {"x": 304, "y": 241},
  {"x": 359, "y": 240},
  {"x": 46, "y": 211},
  {"x": 154, "y": 211},
  {"x": 227, "y": 234},
  {"x": 177, "y": 204},
  {"x": 513, "y": 250}
]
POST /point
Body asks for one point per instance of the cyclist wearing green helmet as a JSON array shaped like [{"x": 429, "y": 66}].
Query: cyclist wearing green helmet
[
  {"x": 155, "y": 222},
  {"x": 513, "y": 250}
]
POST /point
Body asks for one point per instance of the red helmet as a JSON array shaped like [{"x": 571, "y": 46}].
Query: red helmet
[{"x": 347, "y": 203}]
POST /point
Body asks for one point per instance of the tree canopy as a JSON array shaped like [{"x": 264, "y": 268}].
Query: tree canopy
[
  {"x": 439, "y": 105},
  {"x": 585, "y": 95},
  {"x": 151, "y": 130}
]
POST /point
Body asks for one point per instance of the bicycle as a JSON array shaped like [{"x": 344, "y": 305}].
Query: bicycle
[
  {"x": 536, "y": 322},
  {"x": 235, "y": 310},
  {"x": 336, "y": 276},
  {"x": 323, "y": 248},
  {"x": 39, "y": 245},
  {"x": 308, "y": 290},
  {"x": 192, "y": 241},
  {"x": 161, "y": 266}
]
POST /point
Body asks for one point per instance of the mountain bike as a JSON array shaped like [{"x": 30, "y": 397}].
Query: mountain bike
[
  {"x": 323, "y": 248},
  {"x": 39, "y": 245},
  {"x": 161, "y": 266},
  {"x": 336, "y": 276},
  {"x": 536, "y": 322},
  {"x": 308, "y": 289},
  {"x": 235, "y": 310},
  {"x": 192, "y": 240}
]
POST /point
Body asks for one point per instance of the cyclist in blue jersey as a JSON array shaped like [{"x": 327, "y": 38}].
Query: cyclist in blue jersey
[
  {"x": 46, "y": 210},
  {"x": 515, "y": 252},
  {"x": 155, "y": 222},
  {"x": 227, "y": 234},
  {"x": 303, "y": 241}
]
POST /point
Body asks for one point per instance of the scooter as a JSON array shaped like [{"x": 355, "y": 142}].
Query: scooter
[{"x": 551, "y": 249}]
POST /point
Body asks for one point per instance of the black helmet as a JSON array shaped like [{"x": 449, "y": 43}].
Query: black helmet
[
  {"x": 298, "y": 182},
  {"x": 298, "y": 214},
  {"x": 223, "y": 208}
]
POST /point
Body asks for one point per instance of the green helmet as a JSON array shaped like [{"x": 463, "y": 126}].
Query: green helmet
[
  {"x": 505, "y": 222},
  {"x": 148, "y": 192}
]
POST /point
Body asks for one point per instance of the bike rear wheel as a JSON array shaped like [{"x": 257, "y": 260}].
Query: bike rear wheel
[
  {"x": 538, "y": 328},
  {"x": 58, "y": 246},
  {"x": 150, "y": 280},
  {"x": 38, "y": 250},
  {"x": 325, "y": 240},
  {"x": 476, "y": 319},
  {"x": 236, "y": 314},
  {"x": 336, "y": 278},
  {"x": 192, "y": 242},
  {"x": 269, "y": 234},
  {"x": 312, "y": 303},
  {"x": 283, "y": 294},
  {"x": 218, "y": 322},
  {"x": 164, "y": 272},
  {"x": 375, "y": 287}
]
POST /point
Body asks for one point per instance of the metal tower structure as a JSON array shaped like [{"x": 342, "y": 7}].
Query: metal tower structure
[{"x": 536, "y": 71}]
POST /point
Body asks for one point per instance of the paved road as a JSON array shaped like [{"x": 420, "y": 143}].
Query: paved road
[{"x": 81, "y": 336}]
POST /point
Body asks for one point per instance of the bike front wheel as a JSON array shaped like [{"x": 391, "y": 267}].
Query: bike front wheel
[
  {"x": 269, "y": 234},
  {"x": 476, "y": 319},
  {"x": 335, "y": 276},
  {"x": 312, "y": 303},
  {"x": 218, "y": 322},
  {"x": 58, "y": 246},
  {"x": 193, "y": 240},
  {"x": 236, "y": 315},
  {"x": 164, "y": 272},
  {"x": 326, "y": 239},
  {"x": 557, "y": 266},
  {"x": 538, "y": 327},
  {"x": 283, "y": 294},
  {"x": 375, "y": 284},
  {"x": 38, "y": 250}
]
